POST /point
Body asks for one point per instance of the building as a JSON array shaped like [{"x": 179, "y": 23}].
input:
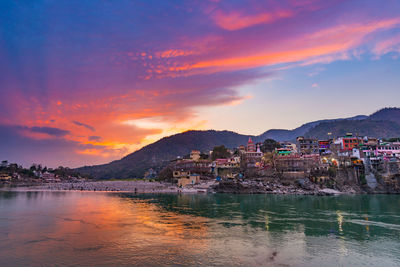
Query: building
[
  {"x": 4, "y": 177},
  {"x": 181, "y": 174},
  {"x": 288, "y": 145},
  {"x": 388, "y": 150},
  {"x": 297, "y": 163},
  {"x": 307, "y": 146},
  {"x": 253, "y": 152},
  {"x": 324, "y": 146},
  {"x": 227, "y": 168},
  {"x": 251, "y": 147},
  {"x": 348, "y": 142},
  {"x": 284, "y": 151},
  {"x": 195, "y": 155},
  {"x": 201, "y": 166},
  {"x": 185, "y": 178},
  {"x": 368, "y": 141},
  {"x": 49, "y": 177}
]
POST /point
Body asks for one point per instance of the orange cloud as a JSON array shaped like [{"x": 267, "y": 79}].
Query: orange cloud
[{"x": 174, "y": 53}]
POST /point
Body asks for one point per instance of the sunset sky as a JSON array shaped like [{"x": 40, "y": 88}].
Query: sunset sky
[{"x": 87, "y": 82}]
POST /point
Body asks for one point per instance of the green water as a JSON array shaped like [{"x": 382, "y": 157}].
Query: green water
[{"x": 105, "y": 229}]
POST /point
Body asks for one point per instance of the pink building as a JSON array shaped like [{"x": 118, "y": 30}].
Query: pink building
[
  {"x": 390, "y": 150},
  {"x": 251, "y": 147}
]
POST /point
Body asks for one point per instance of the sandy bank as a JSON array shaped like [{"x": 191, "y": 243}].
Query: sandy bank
[{"x": 114, "y": 186}]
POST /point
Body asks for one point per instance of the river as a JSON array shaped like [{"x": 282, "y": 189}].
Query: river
[{"x": 108, "y": 229}]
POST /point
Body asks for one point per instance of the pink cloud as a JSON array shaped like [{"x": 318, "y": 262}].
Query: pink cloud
[
  {"x": 236, "y": 20},
  {"x": 391, "y": 44},
  {"x": 321, "y": 46}
]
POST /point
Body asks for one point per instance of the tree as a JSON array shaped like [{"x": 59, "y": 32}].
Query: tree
[
  {"x": 268, "y": 159},
  {"x": 220, "y": 152},
  {"x": 166, "y": 174},
  {"x": 392, "y": 140},
  {"x": 269, "y": 145},
  {"x": 204, "y": 156}
]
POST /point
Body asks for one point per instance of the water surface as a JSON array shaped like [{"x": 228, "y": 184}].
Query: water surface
[{"x": 103, "y": 229}]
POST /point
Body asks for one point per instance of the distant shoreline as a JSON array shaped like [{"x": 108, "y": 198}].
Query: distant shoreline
[
  {"x": 142, "y": 187},
  {"x": 147, "y": 187}
]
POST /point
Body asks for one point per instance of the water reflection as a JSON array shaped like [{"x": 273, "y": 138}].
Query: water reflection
[
  {"x": 39, "y": 225},
  {"x": 343, "y": 215},
  {"x": 87, "y": 228}
]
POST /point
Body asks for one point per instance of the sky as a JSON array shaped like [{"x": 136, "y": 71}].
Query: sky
[{"x": 87, "y": 82}]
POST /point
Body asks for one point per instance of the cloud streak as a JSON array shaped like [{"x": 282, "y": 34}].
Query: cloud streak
[
  {"x": 84, "y": 125},
  {"x": 49, "y": 130}
]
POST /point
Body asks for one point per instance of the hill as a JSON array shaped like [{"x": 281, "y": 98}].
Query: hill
[
  {"x": 384, "y": 123},
  {"x": 158, "y": 154},
  {"x": 387, "y": 114},
  {"x": 291, "y": 135},
  {"x": 367, "y": 127}
]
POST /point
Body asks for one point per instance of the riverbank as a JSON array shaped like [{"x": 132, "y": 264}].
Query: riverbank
[
  {"x": 263, "y": 185},
  {"x": 144, "y": 187},
  {"x": 276, "y": 187},
  {"x": 134, "y": 186}
]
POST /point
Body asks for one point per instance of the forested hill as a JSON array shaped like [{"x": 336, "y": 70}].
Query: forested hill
[
  {"x": 161, "y": 152},
  {"x": 384, "y": 123}
]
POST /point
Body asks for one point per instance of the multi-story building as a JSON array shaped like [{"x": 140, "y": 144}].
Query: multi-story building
[
  {"x": 388, "y": 149},
  {"x": 324, "y": 146},
  {"x": 201, "y": 166},
  {"x": 307, "y": 146},
  {"x": 185, "y": 177},
  {"x": 283, "y": 151},
  {"x": 195, "y": 155},
  {"x": 348, "y": 142},
  {"x": 253, "y": 152},
  {"x": 288, "y": 145},
  {"x": 251, "y": 147},
  {"x": 297, "y": 162}
]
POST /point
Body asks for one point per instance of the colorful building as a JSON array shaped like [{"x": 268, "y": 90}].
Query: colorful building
[
  {"x": 324, "y": 146},
  {"x": 307, "y": 146},
  {"x": 251, "y": 147},
  {"x": 289, "y": 145},
  {"x": 283, "y": 151},
  {"x": 348, "y": 142}
]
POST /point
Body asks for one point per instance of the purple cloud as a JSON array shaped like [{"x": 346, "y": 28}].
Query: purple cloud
[{"x": 84, "y": 125}]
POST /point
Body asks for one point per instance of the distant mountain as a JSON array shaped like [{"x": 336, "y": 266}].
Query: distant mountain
[
  {"x": 367, "y": 127},
  {"x": 383, "y": 123},
  {"x": 387, "y": 114},
  {"x": 290, "y": 135}
]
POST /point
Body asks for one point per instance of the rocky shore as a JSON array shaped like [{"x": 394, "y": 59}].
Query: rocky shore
[
  {"x": 261, "y": 185},
  {"x": 258, "y": 187},
  {"x": 104, "y": 186},
  {"x": 230, "y": 186}
]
